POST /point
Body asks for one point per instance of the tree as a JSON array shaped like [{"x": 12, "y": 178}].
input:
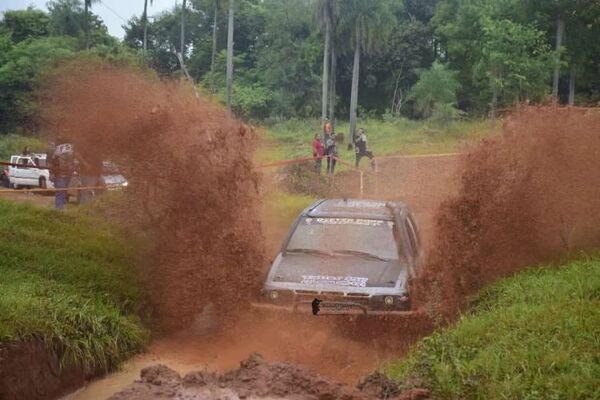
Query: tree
[
  {"x": 229, "y": 78},
  {"x": 214, "y": 35},
  {"x": 25, "y": 24},
  {"x": 87, "y": 4},
  {"x": 368, "y": 24},
  {"x": 514, "y": 61},
  {"x": 435, "y": 93},
  {"x": 324, "y": 13},
  {"x": 182, "y": 46},
  {"x": 145, "y": 22}
]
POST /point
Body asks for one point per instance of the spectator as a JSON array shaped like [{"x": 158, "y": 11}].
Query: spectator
[
  {"x": 361, "y": 149},
  {"x": 318, "y": 152},
  {"x": 26, "y": 151},
  {"x": 61, "y": 170},
  {"x": 331, "y": 152},
  {"x": 90, "y": 170}
]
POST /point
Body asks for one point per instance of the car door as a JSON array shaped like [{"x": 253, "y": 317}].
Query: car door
[{"x": 21, "y": 173}]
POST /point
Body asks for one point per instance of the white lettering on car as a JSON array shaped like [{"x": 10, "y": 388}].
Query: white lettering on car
[{"x": 353, "y": 281}]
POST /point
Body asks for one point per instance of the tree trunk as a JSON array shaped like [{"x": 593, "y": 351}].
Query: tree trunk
[
  {"x": 560, "y": 29},
  {"x": 354, "y": 93},
  {"x": 214, "y": 38},
  {"x": 572, "y": 86},
  {"x": 145, "y": 21},
  {"x": 229, "y": 77},
  {"x": 182, "y": 47},
  {"x": 325, "y": 79},
  {"x": 86, "y": 15},
  {"x": 332, "y": 90},
  {"x": 494, "y": 104}
]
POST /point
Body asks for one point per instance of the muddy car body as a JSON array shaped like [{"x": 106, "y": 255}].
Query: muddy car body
[{"x": 351, "y": 256}]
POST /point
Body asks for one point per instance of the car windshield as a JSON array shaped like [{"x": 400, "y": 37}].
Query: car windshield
[{"x": 352, "y": 236}]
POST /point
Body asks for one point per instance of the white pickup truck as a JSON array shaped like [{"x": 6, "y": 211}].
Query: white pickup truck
[{"x": 29, "y": 171}]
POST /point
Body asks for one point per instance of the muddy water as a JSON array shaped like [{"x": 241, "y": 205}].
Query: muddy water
[{"x": 314, "y": 343}]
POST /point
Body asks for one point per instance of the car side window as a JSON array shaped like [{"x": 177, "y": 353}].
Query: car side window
[
  {"x": 413, "y": 237},
  {"x": 22, "y": 161}
]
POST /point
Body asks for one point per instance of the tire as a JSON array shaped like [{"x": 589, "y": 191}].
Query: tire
[{"x": 43, "y": 183}]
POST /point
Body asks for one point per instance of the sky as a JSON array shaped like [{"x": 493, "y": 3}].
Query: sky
[{"x": 114, "y": 13}]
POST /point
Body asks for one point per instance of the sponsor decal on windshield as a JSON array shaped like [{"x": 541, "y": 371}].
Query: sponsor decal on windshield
[
  {"x": 353, "y": 281},
  {"x": 347, "y": 221}
]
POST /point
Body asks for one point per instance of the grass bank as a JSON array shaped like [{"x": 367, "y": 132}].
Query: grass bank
[
  {"x": 532, "y": 336},
  {"x": 292, "y": 138},
  {"x": 12, "y": 144},
  {"x": 68, "y": 280}
]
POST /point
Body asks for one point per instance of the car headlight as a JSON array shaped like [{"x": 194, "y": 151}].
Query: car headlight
[
  {"x": 389, "y": 300},
  {"x": 273, "y": 295}
]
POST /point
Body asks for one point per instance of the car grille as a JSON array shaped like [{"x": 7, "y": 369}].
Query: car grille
[{"x": 308, "y": 296}]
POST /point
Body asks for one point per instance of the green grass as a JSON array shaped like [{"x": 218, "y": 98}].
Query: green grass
[
  {"x": 532, "y": 336},
  {"x": 14, "y": 144},
  {"x": 292, "y": 138},
  {"x": 69, "y": 280}
]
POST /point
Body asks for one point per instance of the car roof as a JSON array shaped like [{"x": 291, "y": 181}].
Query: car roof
[{"x": 353, "y": 208}]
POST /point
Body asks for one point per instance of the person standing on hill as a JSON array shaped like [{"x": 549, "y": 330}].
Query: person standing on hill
[
  {"x": 360, "y": 148},
  {"x": 90, "y": 170},
  {"x": 318, "y": 152},
  {"x": 61, "y": 169},
  {"x": 331, "y": 152}
]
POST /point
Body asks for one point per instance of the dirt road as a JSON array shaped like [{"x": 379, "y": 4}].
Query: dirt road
[{"x": 319, "y": 344}]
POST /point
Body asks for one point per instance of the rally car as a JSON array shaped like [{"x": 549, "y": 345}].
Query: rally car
[{"x": 346, "y": 256}]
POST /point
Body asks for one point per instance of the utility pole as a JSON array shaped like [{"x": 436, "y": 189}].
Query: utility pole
[{"x": 229, "y": 77}]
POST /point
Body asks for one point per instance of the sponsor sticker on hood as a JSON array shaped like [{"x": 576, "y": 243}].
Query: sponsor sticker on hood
[{"x": 328, "y": 280}]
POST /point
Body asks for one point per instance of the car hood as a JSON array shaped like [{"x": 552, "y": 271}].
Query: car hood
[
  {"x": 111, "y": 180},
  {"x": 343, "y": 271}
]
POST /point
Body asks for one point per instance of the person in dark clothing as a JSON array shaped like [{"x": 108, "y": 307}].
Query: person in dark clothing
[
  {"x": 26, "y": 151},
  {"x": 61, "y": 169},
  {"x": 90, "y": 170},
  {"x": 331, "y": 152},
  {"x": 360, "y": 148},
  {"x": 318, "y": 152}
]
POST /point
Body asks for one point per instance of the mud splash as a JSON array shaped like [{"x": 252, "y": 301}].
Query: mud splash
[
  {"x": 527, "y": 196},
  {"x": 193, "y": 190},
  {"x": 257, "y": 378}
]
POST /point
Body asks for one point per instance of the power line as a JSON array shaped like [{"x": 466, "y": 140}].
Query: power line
[{"x": 112, "y": 11}]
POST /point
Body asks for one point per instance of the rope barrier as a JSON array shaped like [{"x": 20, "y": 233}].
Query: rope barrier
[{"x": 39, "y": 190}]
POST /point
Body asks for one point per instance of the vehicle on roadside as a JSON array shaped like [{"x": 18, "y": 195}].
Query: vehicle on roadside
[
  {"x": 346, "y": 257},
  {"x": 111, "y": 179},
  {"x": 29, "y": 171}
]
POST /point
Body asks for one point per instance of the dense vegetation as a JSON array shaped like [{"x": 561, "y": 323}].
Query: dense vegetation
[
  {"x": 432, "y": 59},
  {"x": 533, "y": 336},
  {"x": 68, "y": 280}
]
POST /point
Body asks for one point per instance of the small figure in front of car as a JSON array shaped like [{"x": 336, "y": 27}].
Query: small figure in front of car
[
  {"x": 61, "y": 170},
  {"x": 361, "y": 150},
  {"x": 318, "y": 152},
  {"x": 316, "y": 306}
]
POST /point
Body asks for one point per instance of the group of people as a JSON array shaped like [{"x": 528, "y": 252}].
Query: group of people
[
  {"x": 327, "y": 148},
  {"x": 63, "y": 161}
]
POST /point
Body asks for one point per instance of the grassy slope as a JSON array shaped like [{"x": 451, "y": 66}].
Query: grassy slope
[
  {"x": 69, "y": 280},
  {"x": 14, "y": 144},
  {"x": 292, "y": 139},
  {"x": 532, "y": 336}
]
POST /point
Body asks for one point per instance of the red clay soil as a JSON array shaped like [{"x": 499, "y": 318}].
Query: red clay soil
[
  {"x": 527, "y": 196},
  {"x": 29, "y": 371},
  {"x": 193, "y": 189},
  {"x": 257, "y": 378}
]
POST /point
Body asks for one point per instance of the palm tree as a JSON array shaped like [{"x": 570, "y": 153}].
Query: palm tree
[
  {"x": 145, "y": 22},
  {"x": 229, "y": 77},
  {"x": 214, "y": 37},
  {"x": 87, "y": 4},
  {"x": 368, "y": 22},
  {"x": 182, "y": 47}
]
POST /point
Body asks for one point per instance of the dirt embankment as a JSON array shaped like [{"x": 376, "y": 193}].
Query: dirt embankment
[
  {"x": 525, "y": 197},
  {"x": 258, "y": 379},
  {"x": 193, "y": 189},
  {"x": 29, "y": 371}
]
